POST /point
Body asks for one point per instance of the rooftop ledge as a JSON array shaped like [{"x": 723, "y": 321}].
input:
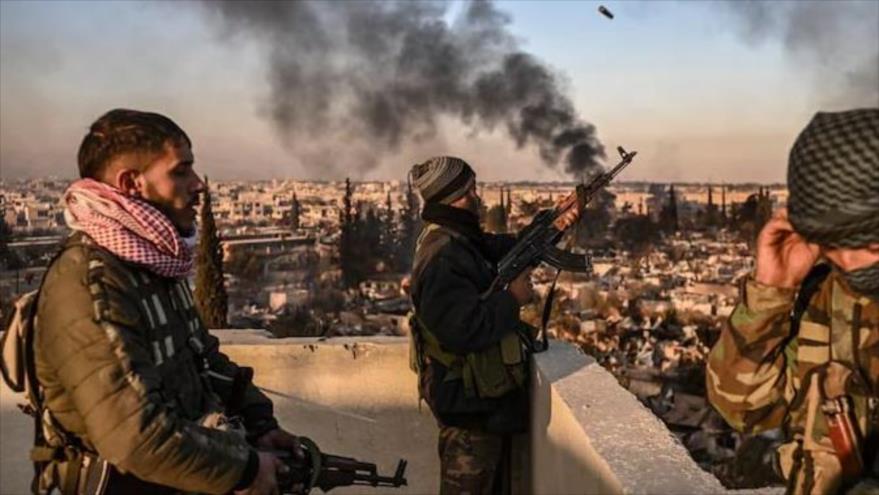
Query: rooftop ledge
[{"x": 356, "y": 396}]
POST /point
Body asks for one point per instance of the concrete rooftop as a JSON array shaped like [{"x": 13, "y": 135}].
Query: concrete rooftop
[{"x": 357, "y": 397}]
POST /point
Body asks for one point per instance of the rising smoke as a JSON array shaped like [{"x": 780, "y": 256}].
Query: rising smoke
[
  {"x": 837, "y": 40},
  {"x": 352, "y": 81}
]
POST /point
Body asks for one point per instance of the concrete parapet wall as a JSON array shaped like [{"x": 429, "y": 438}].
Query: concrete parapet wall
[
  {"x": 357, "y": 397},
  {"x": 353, "y": 396},
  {"x": 599, "y": 438}
]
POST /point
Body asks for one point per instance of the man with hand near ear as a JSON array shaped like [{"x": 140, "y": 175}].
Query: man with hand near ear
[
  {"x": 801, "y": 350},
  {"x": 138, "y": 397}
]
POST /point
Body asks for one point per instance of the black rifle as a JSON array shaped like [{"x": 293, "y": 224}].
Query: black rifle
[
  {"x": 326, "y": 471},
  {"x": 537, "y": 242}
]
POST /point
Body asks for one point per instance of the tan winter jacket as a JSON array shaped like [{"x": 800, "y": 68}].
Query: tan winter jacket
[{"x": 130, "y": 370}]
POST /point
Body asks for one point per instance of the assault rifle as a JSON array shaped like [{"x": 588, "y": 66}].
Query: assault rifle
[
  {"x": 537, "y": 242},
  {"x": 326, "y": 471}
]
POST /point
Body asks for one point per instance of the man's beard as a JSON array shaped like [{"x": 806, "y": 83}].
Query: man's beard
[{"x": 185, "y": 232}]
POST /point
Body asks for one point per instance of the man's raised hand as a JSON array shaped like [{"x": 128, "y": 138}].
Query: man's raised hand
[{"x": 784, "y": 258}]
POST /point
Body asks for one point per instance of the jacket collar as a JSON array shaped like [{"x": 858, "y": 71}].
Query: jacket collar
[{"x": 462, "y": 221}]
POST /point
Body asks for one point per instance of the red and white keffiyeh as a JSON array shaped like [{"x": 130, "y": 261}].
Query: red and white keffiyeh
[{"x": 128, "y": 227}]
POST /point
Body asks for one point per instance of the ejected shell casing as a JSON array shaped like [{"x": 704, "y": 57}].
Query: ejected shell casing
[{"x": 605, "y": 12}]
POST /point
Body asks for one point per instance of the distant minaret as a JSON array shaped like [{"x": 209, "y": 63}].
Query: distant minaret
[
  {"x": 501, "y": 198},
  {"x": 710, "y": 196},
  {"x": 509, "y": 201}
]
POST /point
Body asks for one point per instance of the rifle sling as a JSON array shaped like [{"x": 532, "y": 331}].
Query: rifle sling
[{"x": 547, "y": 311}]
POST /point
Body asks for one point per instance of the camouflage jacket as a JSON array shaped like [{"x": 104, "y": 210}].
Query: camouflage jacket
[
  {"x": 128, "y": 368},
  {"x": 761, "y": 377}
]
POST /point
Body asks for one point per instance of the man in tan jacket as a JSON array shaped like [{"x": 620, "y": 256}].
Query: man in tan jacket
[{"x": 138, "y": 397}]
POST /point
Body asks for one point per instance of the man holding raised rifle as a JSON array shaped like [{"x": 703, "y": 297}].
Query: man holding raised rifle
[{"x": 468, "y": 343}]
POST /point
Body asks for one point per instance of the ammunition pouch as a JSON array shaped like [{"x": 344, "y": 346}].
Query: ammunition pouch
[
  {"x": 839, "y": 410},
  {"x": 489, "y": 373},
  {"x": 61, "y": 462},
  {"x": 70, "y": 470}
]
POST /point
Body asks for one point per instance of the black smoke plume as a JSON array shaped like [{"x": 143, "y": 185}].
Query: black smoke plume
[
  {"x": 837, "y": 40},
  {"x": 352, "y": 80}
]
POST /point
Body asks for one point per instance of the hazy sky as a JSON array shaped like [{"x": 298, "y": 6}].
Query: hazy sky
[{"x": 703, "y": 90}]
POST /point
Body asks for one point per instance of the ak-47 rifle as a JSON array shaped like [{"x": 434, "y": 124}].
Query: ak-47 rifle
[
  {"x": 300, "y": 475},
  {"x": 537, "y": 242}
]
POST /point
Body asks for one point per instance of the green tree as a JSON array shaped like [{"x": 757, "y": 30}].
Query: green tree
[
  {"x": 668, "y": 217},
  {"x": 750, "y": 217},
  {"x": 594, "y": 222},
  {"x": 723, "y": 216},
  {"x": 637, "y": 233},
  {"x": 410, "y": 228},
  {"x": 295, "y": 212},
  {"x": 371, "y": 229},
  {"x": 210, "y": 291},
  {"x": 712, "y": 215},
  {"x": 495, "y": 219},
  {"x": 389, "y": 234},
  {"x": 6, "y": 254},
  {"x": 351, "y": 257},
  {"x": 9, "y": 260},
  {"x": 764, "y": 208}
]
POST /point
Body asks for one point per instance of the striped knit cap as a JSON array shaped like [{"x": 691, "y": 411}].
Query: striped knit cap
[
  {"x": 442, "y": 179},
  {"x": 833, "y": 177}
]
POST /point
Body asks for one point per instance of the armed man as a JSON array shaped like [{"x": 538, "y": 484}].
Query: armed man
[
  {"x": 468, "y": 347},
  {"x": 138, "y": 398},
  {"x": 801, "y": 350}
]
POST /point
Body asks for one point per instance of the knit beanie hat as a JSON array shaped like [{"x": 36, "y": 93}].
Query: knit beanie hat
[
  {"x": 442, "y": 179},
  {"x": 833, "y": 178}
]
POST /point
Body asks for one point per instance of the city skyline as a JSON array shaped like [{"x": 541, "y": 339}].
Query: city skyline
[{"x": 706, "y": 92}]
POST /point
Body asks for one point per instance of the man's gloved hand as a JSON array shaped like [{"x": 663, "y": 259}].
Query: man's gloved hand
[
  {"x": 784, "y": 258},
  {"x": 265, "y": 482}
]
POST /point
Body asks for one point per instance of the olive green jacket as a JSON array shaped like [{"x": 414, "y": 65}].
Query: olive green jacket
[
  {"x": 128, "y": 367},
  {"x": 760, "y": 377}
]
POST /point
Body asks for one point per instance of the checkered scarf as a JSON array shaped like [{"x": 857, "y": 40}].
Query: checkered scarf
[{"x": 128, "y": 227}]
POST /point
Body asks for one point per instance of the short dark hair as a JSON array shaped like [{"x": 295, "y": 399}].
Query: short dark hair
[{"x": 121, "y": 131}]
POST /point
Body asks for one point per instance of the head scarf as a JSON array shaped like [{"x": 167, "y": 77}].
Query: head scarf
[
  {"x": 833, "y": 177},
  {"x": 128, "y": 227}
]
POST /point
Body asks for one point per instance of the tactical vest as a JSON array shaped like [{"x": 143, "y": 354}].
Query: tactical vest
[
  {"x": 490, "y": 373},
  {"x": 62, "y": 460},
  {"x": 825, "y": 366}
]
